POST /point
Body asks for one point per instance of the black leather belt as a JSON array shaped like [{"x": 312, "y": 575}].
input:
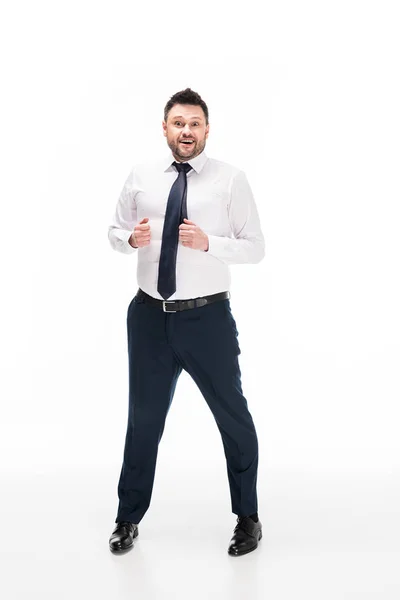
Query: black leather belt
[{"x": 177, "y": 305}]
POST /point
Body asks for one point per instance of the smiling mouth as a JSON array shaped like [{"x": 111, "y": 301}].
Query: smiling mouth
[{"x": 187, "y": 142}]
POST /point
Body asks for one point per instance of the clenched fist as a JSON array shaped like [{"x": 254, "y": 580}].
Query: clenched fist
[
  {"x": 141, "y": 234},
  {"x": 191, "y": 236}
]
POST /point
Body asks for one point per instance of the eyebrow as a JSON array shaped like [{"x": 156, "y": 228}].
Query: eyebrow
[{"x": 180, "y": 117}]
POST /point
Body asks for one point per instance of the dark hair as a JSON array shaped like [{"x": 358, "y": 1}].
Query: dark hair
[{"x": 186, "y": 96}]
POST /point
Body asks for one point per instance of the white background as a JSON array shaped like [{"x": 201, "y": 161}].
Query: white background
[{"x": 304, "y": 97}]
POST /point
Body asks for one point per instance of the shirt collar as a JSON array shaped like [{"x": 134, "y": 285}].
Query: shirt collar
[{"x": 197, "y": 163}]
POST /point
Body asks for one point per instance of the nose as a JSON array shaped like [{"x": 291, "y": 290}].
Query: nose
[{"x": 186, "y": 130}]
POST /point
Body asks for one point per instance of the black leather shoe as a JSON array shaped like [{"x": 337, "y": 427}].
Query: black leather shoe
[
  {"x": 123, "y": 535},
  {"x": 246, "y": 536}
]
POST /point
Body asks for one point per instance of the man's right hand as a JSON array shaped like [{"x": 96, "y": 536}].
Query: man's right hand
[{"x": 141, "y": 234}]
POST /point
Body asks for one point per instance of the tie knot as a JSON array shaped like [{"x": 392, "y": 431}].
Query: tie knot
[{"x": 182, "y": 166}]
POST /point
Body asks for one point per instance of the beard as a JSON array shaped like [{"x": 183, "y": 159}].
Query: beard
[{"x": 185, "y": 155}]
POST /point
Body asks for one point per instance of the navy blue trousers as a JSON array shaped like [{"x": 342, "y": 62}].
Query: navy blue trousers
[{"x": 204, "y": 342}]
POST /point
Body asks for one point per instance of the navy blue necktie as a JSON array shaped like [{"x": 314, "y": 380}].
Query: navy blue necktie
[{"x": 175, "y": 213}]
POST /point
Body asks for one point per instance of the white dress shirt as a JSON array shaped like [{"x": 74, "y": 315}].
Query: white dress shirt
[{"x": 219, "y": 201}]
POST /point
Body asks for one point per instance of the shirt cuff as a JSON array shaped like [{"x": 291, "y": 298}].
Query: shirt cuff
[
  {"x": 218, "y": 246},
  {"x": 121, "y": 240}
]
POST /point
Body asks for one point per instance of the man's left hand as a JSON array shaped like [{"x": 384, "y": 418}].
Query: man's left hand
[{"x": 191, "y": 236}]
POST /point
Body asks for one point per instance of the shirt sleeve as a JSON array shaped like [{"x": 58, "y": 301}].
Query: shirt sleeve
[
  {"x": 247, "y": 244},
  {"x": 125, "y": 218}
]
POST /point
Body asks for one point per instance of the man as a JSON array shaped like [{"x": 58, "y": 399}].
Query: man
[{"x": 188, "y": 216}]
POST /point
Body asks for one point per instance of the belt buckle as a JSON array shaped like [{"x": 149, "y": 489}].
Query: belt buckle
[{"x": 165, "y": 302}]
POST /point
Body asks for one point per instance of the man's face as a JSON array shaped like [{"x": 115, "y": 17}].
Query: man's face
[{"x": 186, "y": 122}]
